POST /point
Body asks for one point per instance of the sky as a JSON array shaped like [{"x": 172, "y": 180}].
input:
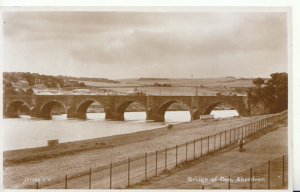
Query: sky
[{"x": 118, "y": 45}]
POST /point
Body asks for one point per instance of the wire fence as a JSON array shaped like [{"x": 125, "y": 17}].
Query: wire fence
[
  {"x": 140, "y": 168},
  {"x": 272, "y": 174}
]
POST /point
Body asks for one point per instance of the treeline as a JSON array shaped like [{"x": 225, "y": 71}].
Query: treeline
[
  {"x": 162, "y": 85},
  {"x": 273, "y": 93},
  {"x": 33, "y": 79},
  {"x": 13, "y": 82},
  {"x": 48, "y": 80}
]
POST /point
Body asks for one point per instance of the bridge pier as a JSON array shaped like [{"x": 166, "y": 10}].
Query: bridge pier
[
  {"x": 155, "y": 116},
  {"x": 11, "y": 115},
  {"x": 41, "y": 116},
  {"x": 36, "y": 113},
  {"x": 115, "y": 116},
  {"x": 76, "y": 116}
]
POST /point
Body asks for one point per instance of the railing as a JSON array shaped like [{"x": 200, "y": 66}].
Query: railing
[
  {"x": 272, "y": 174},
  {"x": 140, "y": 168}
]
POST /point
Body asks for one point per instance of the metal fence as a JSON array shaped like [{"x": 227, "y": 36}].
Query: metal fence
[
  {"x": 272, "y": 174},
  {"x": 140, "y": 168}
]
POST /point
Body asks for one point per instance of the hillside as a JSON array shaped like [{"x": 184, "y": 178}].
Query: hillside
[{"x": 34, "y": 83}]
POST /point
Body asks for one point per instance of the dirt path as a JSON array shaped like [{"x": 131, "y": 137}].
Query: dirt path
[
  {"x": 15, "y": 175},
  {"x": 269, "y": 146}
]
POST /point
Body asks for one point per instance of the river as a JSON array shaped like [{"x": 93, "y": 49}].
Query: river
[{"x": 25, "y": 132}]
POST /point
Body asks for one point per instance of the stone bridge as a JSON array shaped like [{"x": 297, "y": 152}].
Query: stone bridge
[{"x": 76, "y": 106}]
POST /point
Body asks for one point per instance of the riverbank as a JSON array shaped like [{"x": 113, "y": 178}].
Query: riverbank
[{"x": 111, "y": 149}]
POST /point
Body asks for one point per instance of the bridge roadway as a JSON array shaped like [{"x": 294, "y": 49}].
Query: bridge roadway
[{"x": 76, "y": 106}]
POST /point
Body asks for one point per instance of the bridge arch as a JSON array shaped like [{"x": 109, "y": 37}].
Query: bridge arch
[
  {"x": 46, "y": 109},
  {"x": 121, "y": 109},
  {"x": 164, "y": 107},
  {"x": 82, "y": 108},
  {"x": 14, "y": 108},
  {"x": 207, "y": 109}
]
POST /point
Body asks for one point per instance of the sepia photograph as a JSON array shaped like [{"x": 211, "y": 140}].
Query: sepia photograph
[{"x": 146, "y": 98}]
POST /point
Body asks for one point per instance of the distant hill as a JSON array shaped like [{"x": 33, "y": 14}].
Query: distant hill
[
  {"x": 94, "y": 79},
  {"x": 23, "y": 82},
  {"x": 151, "y": 79}
]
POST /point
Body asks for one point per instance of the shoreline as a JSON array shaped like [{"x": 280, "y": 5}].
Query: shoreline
[{"x": 71, "y": 147}]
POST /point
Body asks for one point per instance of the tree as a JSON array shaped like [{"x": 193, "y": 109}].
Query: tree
[
  {"x": 29, "y": 91},
  {"x": 273, "y": 93},
  {"x": 82, "y": 84},
  {"x": 258, "y": 82},
  {"x": 29, "y": 78}
]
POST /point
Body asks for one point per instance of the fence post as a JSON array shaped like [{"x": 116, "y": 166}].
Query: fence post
[
  {"x": 248, "y": 128},
  {"x": 176, "y": 154},
  {"x": 230, "y": 137},
  {"x": 90, "y": 179},
  {"x": 37, "y": 185},
  {"x": 282, "y": 170},
  {"x": 66, "y": 181},
  {"x": 186, "y": 150},
  {"x": 194, "y": 149},
  {"x": 269, "y": 174},
  {"x": 145, "y": 166},
  {"x": 251, "y": 178},
  {"x": 229, "y": 182},
  {"x": 156, "y": 163},
  {"x": 242, "y": 132},
  {"x": 234, "y": 130},
  {"x": 225, "y": 138},
  {"x": 201, "y": 147},
  {"x": 266, "y": 122},
  {"x": 260, "y": 122},
  {"x": 214, "y": 143},
  {"x": 166, "y": 158},
  {"x": 128, "y": 177},
  {"x": 220, "y": 141},
  {"x": 110, "y": 176},
  {"x": 208, "y": 145},
  {"x": 256, "y": 127}
]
